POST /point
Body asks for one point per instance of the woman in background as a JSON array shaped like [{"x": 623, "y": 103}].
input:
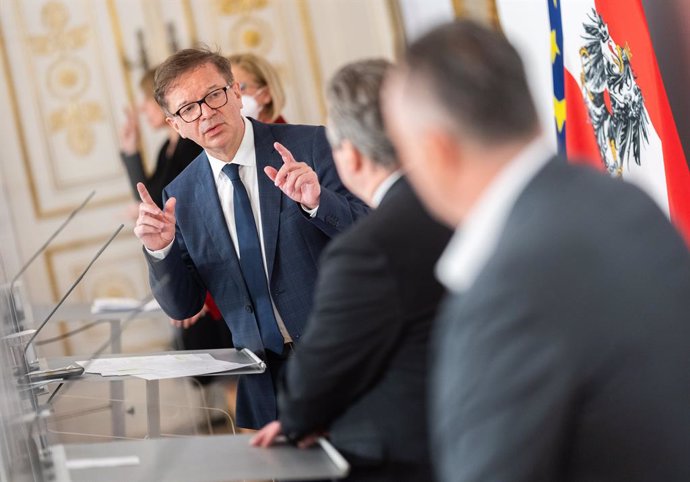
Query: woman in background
[
  {"x": 174, "y": 155},
  {"x": 263, "y": 97}
]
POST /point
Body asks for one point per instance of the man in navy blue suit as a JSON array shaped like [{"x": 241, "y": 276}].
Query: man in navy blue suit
[{"x": 247, "y": 220}]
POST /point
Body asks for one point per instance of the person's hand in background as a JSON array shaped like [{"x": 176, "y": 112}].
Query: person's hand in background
[
  {"x": 128, "y": 135},
  {"x": 187, "y": 322}
]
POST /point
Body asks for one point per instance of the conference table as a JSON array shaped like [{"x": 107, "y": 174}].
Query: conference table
[
  {"x": 180, "y": 458},
  {"x": 251, "y": 365},
  {"x": 195, "y": 459}
]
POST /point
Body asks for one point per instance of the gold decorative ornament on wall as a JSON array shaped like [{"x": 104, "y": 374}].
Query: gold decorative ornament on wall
[
  {"x": 252, "y": 34},
  {"x": 38, "y": 157},
  {"x": 60, "y": 38},
  {"x": 75, "y": 118},
  {"x": 251, "y": 38},
  {"x": 238, "y": 7},
  {"x": 67, "y": 78}
]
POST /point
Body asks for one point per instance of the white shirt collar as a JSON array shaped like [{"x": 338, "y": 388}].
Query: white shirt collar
[
  {"x": 474, "y": 242},
  {"x": 384, "y": 187},
  {"x": 244, "y": 155}
]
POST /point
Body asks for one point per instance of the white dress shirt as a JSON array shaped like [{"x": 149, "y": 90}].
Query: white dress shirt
[
  {"x": 474, "y": 241},
  {"x": 384, "y": 187},
  {"x": 245, "y": 158}
]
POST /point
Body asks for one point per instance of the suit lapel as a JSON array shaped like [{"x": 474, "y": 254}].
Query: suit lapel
[
  {"x": 205, "y": 194},
  {"x": 270, "y": 197}
]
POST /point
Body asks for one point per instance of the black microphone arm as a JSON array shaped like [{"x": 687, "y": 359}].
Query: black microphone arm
[
  {"x": 71, "y": 288},
  {"x": 43, "y": 248},
  {"x": 124, "y": 323}
]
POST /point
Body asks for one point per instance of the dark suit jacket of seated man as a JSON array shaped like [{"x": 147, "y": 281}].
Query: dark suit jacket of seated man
[
  {"x": 563, "y": 353},
  {"x": 360, "y": 371},
  {"x": 203, "y": 257}
]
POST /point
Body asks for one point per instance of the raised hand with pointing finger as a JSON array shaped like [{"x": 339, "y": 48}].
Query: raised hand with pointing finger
[
  {"x": 154, "y": 227},
  {"x": 248, "y": 246},
  {"x": 296, "y": 179}
]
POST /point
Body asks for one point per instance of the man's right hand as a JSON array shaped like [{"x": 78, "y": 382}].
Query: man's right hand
[
  {"x": 267, "y": 435},
  {"x": 155, "y": 228}
]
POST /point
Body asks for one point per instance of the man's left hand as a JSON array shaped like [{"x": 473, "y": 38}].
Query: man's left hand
[
  {"x": 296, "y": 179},
  {"x": 268, "y": 434}
]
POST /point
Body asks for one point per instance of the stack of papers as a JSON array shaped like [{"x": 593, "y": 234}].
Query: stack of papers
[
  {"x": 157, "y": 367},
  {"x": 105, "y": 305}
]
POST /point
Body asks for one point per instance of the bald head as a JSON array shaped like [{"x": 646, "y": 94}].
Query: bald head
[
  {"x": 476, "y": 80},
  {"x": 457, "y": 109}
]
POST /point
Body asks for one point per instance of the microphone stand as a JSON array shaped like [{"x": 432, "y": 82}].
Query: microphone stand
[
  {"x": 71, "y": 288},
  {"x": 13, "y": 304},
  {"x": 52, "y": 399},
  {"x": 25, "y": 364}
]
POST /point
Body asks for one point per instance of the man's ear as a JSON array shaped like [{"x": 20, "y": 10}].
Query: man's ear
[
  {"x": 353, "y": 156},
  {"x": 443, "y": 149},
  {"x": 172, "y": 122},
  {"x": 235, "y": 88}
]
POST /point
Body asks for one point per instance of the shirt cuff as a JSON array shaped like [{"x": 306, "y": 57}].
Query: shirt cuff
[
  {"x": 160, "y": 253},
  {"x": 310, "y": 212}
]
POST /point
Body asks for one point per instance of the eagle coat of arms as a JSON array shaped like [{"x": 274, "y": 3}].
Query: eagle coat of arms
[{"x": 614, "y": 100}]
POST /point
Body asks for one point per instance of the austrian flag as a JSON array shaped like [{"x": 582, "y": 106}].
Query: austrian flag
[{"x": 607, "y": 100}]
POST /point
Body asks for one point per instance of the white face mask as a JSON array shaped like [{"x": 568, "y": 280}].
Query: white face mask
[{"x": 250, "y": 107}]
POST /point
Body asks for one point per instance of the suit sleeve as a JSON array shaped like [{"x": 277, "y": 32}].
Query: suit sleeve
[
  {"x": 500, "y": 389},
  {"x": 348, "y": 339},
  {"x": 338, "y": 207},
  {"x": 174, "y": 280}
]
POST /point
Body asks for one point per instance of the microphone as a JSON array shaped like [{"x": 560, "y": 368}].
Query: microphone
[
  {"x": 71, "y": 373},
  {"x": 95, "y": 355},
  {"x": 38, "y": 375},
  {"x": 124, "y": 323},
  {"x": 13, "y": 303},
  {"x": 69, "y": 291}
]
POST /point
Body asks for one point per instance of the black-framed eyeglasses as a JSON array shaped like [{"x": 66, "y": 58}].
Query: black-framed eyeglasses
[{"x": 214, "y": 99}]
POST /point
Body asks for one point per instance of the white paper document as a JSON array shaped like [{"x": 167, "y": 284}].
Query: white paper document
[
  {"x": 102, "y": 462},
  {"x": 156, "y": 367},
  {"x": 107, "y": 305}
]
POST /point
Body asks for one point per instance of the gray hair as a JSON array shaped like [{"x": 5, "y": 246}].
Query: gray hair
[
  {"x": 183, "y": 61},
  {"x": 354, "y": 110},
  {"x": 476, "y": 79}
]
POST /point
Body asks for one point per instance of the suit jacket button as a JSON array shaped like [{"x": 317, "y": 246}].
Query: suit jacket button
[{"x": 249, "y": 308}]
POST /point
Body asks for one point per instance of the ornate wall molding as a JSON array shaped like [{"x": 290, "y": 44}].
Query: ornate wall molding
[{"x": 59, "y": 96}]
